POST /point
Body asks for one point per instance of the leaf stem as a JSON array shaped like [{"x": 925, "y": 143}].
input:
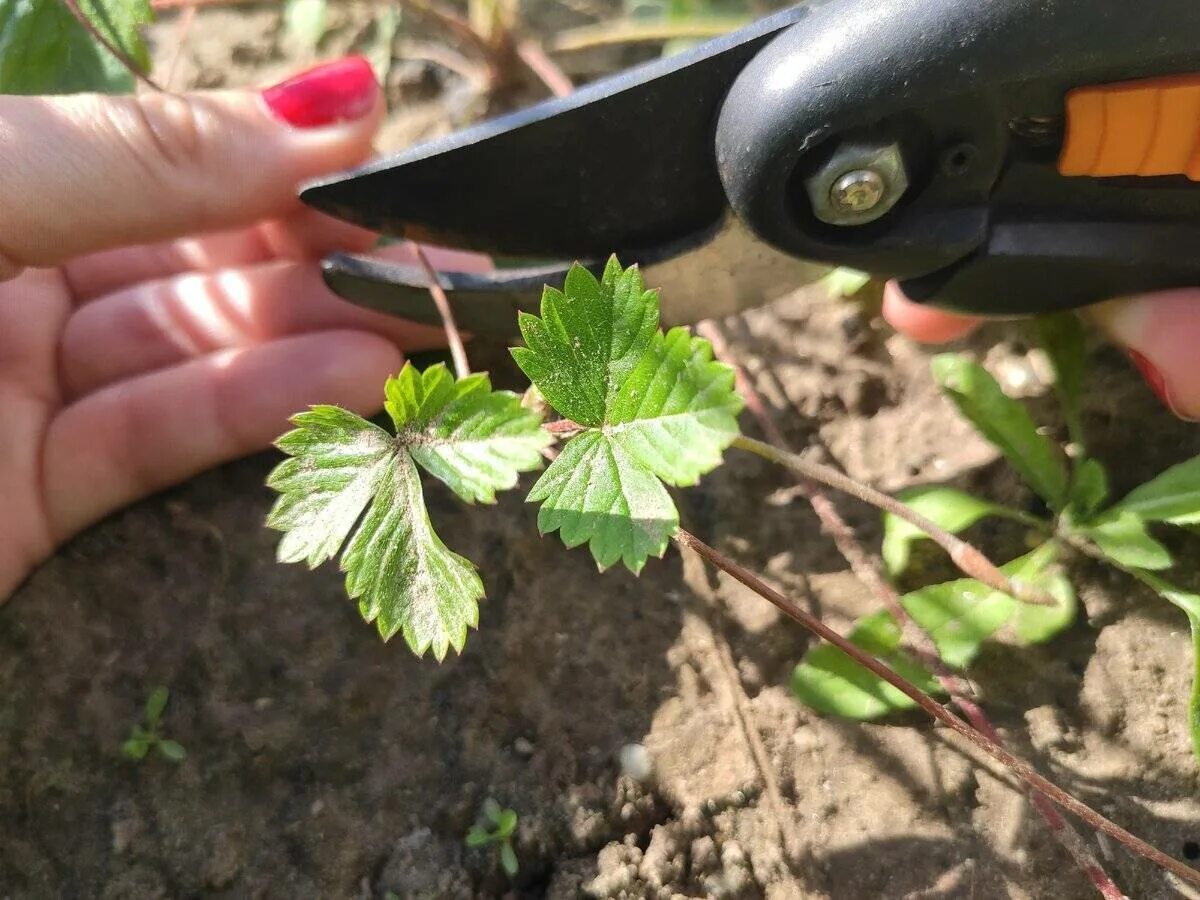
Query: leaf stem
[
  {"x": 984, "y": 743},
  {"x": 458, "y": 353},
  {"x": 969, "y": 559},
  {"x": 99, "y": 37}
]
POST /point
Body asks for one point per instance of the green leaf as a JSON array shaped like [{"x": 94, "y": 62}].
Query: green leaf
[
  {"x": 1189, "y": 602},
  {"x": 507, "y": 823},
  {"x": 952, "y": 509},
  {"x": 1173, "y": 496},
  {"x": 1035, "y": 624},
  {"x": 463, "y": 433},
  {"x": 135, "y": 748},
  {"x": 304, "y": 22},
  {"x": 1089, "y": 488},
  {"x": 474, "y": 439},
  {"x": 1061, "y": 336},
  {"x": 960, "y": 615},
  {"x": 44, "y": 49},
  {"x": 508, "y": 860},
  {"x": 654, "y": 408},
  {"x": 337, "y": 460},
  {"x": 385, "y": 24},
  {"x": 171, "y": 750},
  {"x": 155, "y": 704},
  {"x": 1006, "y": 423},
  {"x": 477, "y": 837},
  {"x": 830, "y": 682},
  {"x": 1125, "y": 541},
  {"x": 403, "y": 576},
  {"x": 491, "y": 810}
]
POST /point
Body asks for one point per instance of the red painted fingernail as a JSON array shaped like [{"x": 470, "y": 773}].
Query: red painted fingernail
[
  {"x": 1157, "y": 383},
  {"x": 340, "y": 91}
]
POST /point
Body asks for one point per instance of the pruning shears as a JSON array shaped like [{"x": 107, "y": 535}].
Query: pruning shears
[{"x": 996, "y": 156}]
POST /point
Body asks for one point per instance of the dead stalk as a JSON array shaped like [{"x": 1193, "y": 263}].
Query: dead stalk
[
  {"x": 968, "y": 559},
  {"x": 547, "y": 70},
  {"x": 458, "y": 352},
  {"x": 984, "y": 743}
]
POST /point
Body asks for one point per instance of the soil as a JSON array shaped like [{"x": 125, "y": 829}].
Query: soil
[{"x": 619, "y": 716}]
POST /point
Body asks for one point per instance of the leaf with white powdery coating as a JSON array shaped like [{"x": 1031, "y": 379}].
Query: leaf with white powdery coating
[
  {"x": 654, "y": 408},
  {"x": 474, "y": 439}
]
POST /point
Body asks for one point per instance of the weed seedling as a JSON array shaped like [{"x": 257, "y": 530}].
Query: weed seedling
[
  {"x": 147, "y": 735},
  {"x": 495, "y": 828}
]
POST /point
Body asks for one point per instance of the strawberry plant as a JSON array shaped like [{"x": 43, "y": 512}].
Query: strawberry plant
[{"x": 641, "y": 410}]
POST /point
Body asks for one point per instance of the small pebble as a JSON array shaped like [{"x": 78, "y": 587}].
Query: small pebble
[
  {"x": 523, "y": 746},
  {"x": 635, "y": 762}
]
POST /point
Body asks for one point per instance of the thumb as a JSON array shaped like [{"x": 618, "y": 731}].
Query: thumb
[{"x": 90, "y": 172}]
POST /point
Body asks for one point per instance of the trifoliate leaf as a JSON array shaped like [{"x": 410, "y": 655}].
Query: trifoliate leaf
[
  {"x": 172, "y": 750},
  {"x": 45, "y": 50},
  {"x": 653, "y": 408},
  {"x": 1006, "y": 423},
  {"x": 474, "y": 439},
  {"x": 155, "y": 704},
  {"x": 1173, "y": 496},
  {"x": 508, "y": 860}
]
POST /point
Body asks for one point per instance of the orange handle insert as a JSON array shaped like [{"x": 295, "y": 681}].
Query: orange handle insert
[{"x": 1149, "y": 127}]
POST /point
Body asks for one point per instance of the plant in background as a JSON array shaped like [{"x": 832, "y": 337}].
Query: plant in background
[
  {"x": 495, "y": 827},
  {"x": 147, "y": 735},
  {"x": 960, "y": 615}
]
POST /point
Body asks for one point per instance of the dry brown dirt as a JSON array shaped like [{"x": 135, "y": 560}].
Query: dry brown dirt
[{"x": 324, "y": 764}]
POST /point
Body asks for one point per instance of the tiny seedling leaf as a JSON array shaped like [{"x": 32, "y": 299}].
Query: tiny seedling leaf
[
  {"x": 830, "y": 682},
  {"x": 136, "y": 748},
  {"x": 1173, "y": 496},
  {"x": 171, "y": 750},
  {"x": 952, "y": 509},
  {"x": 507, "y": 823},
  {"x": 1126, "y": 542},
  {"x": 155, "y": 704},
  {"x": 491, "y": 810},
  {"x": 1062, "y": 338},
  {"x": 474, "y": 439},
  {"x": 45, "y": 50},
  {"x": 508, "y": 860},
  {"x": 1006, "y": 423},
  {"x": 477, "y": 837},
  {"x": 1089, "y": 489},
  {"x": 654, "y": 408}
]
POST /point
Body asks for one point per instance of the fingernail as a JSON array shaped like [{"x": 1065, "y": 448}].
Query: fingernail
[
  {"x": 1158, "y": 384},
  {"x": 339, "y": 91}
]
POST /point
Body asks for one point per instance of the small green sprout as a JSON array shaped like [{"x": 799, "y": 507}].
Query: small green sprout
[
  {"x": 146, "y": 735},
  {"x": 496, "y": 826}
]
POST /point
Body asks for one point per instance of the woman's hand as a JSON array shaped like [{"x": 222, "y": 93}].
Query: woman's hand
[{"x": 160, "y": 310}]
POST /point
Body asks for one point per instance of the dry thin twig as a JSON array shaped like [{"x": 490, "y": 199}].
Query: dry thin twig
[
  {"x": 969, "y": 559},
  {"x": 547, "y": 70},
  {"x": 186, "y": 19},
  {"x": 458, "y": 352},
  {"x": 1014, "y": 764}
]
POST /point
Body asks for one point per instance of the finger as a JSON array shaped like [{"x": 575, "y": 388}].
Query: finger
[
  {"x": 136, "y": 437},
  {"x": 167, "y": 322},
  {"x": 307, "y": 234},
  {"x": 136, "y": 169},
  {"x": 924, "y": 323},
  {"x": 1160, "y": 333}
]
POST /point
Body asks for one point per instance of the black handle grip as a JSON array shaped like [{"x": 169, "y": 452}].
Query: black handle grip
[{"x": 970, "y": 95}]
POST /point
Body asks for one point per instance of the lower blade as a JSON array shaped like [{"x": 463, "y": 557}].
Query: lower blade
[{"x": 714, "y": 274}]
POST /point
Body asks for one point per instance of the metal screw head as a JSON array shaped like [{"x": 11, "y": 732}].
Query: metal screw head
[{"x": 858, "y": 192}]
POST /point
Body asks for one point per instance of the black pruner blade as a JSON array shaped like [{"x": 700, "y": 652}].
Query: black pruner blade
[{"x": 625, "y": 165}]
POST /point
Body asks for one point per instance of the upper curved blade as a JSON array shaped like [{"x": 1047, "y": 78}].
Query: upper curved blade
[{"x": 623, "y": 164}]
